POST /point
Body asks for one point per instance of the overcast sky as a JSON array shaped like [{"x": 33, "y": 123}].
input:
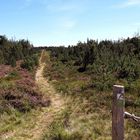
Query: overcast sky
[{"x": 63, "y": 22}]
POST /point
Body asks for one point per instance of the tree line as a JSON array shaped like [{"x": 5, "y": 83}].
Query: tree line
[
  {"x": 12, "y": 51},
  {"x": 108, "y": 61}
]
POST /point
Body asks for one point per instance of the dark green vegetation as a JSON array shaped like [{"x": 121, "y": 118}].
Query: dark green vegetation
[
  {"x": 85, "y": 74},
  {"x": 12, "y": 51},
  {"x": 106, "y": 62}
]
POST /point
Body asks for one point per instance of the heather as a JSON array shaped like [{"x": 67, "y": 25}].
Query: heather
[{"x": 18, "y": 90}]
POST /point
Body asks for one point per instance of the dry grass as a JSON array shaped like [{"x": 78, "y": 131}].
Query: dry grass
[{"x": 87, "y": 111}]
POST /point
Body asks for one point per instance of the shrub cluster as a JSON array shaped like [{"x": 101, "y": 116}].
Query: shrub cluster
[
  {"x": 108, "y": 62},
  {"x": 12, "y": 51},
  {"x": 30, "y": 62}
]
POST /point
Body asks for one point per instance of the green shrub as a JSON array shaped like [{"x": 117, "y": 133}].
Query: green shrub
[
  {"x": 30, "y": 62},
  {"x": 4, "y": 84},
  {"x": 103, "y": 81},
  {"x": 63, "y": 135},
  {"x": 13, "y": 75}
]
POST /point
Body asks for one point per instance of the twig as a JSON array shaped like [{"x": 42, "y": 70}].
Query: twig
[{"x": 132, "y": 116}]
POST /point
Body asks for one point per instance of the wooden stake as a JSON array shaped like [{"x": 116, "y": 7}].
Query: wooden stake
[{"x": 118, "y": 113}]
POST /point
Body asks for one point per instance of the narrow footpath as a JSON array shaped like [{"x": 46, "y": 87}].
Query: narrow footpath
[{"x": 36, "y": 124}]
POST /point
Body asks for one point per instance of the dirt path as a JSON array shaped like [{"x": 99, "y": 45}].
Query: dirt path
[
  {"x": 36, "y": 126},
  {"x": 57, "y": 103}
]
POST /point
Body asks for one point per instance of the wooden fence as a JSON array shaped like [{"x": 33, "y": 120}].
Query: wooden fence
[{"x": 118, "y": 113}]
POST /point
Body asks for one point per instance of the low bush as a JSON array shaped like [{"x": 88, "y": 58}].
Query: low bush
[
  {"x": 18, "y": 91},
  {"x": 30, "y": 62}
]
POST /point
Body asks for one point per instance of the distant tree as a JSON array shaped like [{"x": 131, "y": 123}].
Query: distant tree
[
  {"x": 3, "y": 40},
  {"x": 86, "y": 59},
  {"x": 12, "y": 51},
  {"x": 13, "y": 61},
  {"x": 1, "y": 57}
]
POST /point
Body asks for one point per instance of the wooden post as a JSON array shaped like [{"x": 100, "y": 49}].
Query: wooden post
[{"x": 118, "y": 113}]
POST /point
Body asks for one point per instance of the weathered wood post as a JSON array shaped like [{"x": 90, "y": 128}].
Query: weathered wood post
[{"x": 118, "y": 113}]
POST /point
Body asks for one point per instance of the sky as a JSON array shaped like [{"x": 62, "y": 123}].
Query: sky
[{"x": 65, "y": 22}]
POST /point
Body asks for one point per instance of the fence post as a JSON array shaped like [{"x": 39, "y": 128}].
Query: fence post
[{"x": 118, "y": 113}]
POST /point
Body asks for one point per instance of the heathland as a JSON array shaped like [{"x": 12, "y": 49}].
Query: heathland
[{"x": 65, "y": 93}]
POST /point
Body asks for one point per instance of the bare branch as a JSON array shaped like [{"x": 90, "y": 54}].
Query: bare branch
[{"x": 132, "y": 116}]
